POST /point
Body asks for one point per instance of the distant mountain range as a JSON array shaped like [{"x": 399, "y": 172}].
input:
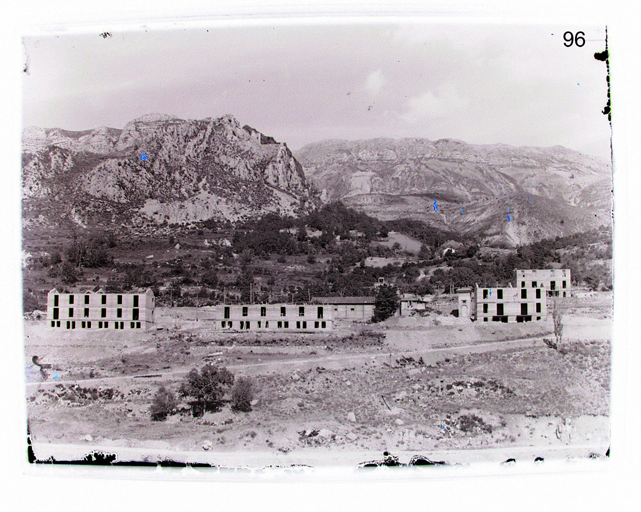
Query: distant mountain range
[
  {"x": 160, "y": 170},
  {"x": 546, "y": 192}
]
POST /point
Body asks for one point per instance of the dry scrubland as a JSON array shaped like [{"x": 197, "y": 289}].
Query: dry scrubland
[{"x": 406, "y": 386}]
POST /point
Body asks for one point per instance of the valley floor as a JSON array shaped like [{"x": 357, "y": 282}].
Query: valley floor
[{"x": 407, "y": 386}]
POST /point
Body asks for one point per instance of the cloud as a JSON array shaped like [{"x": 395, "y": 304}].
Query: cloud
[
  {"x": 375, "y": 82},
  {"x": 431, "y": 105}
]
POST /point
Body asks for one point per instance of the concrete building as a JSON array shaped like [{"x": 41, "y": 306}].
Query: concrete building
[
  {"x": 509, "y": 304},
  {"x": 100, "y": 310},
  {"x": 273, "y": 317},
  {"x": 556, "y": 282},
  {"x": 411, "y": 304},
  {"x": 349, "y": 308}
]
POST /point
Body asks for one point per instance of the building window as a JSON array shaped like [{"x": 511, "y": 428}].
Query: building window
[
  {"x": 247, "y": 324},
  {"x": 86, "y": 299},
  {"x": 119, "y": 299},
  {"x": 524, "y": 293},
  {"x": 103, "y": 299},
  {"x": 56, "y": 300},
  {"x": 242, "y": 324},
  {"x": 533, "y": 284},
  {"x": 304, "y": 324},
  {"x": 132, "y": 325},
  {"x": 552, "y": 285},
  {"x": 323, "y": 325},
  {"x": 86, "y": 313},
  {"x": 564, "y": 294},
  {"x": 119, "y": 313},
  {"x": 301, "y": 311},
  {"x": 524, "y": 308},
  {"x": 485, "y": 308},
  {"x": 283, "y": 311},
  {"x": 538, "y": 293},
  {"x": 103, "y": 313},
  {"x": 135, "y": 314},
  {"x": 115, "y": 325},
  {"x": 122, "y": 325},
  {"x": 223, "y": 323},
  {"x": 499, "y": 294},
  {"x": 538, "y": 307},
  {"x": 245, "y": 310},
  {"x": 286, "y": 324},
  {"x": 68, "y": 324},
  {"x": 135, "y": 301},
  {"x": 89, "y": 325},
  {"x": 485, "y": 319},
  {"x": 485, "y": 294},
  {"x": 227, "y": 312},
  {"x": 297, "y": 325},
  {"x": 315, "y": 325},
  {"x": 70, "y": 299},
  {"x": 263, "y": 311},
  {"x": 99, "y": 325},
  {"x": 266, "y": 324},
  {"x": 83, "y": 325},
  {"x": 319, "y": 312},
  {"x": 73, "y": 324},
  {"x": 137, "y": 325},
  {"x": 500, "y": 309},
  {"x": 565, "y": 284},
  {"x": 70, "y": 312},
  {"x": 280, "y": 324},
  {"x": 56, "y": 313},
  {"x": 522, "y": 284},
  {"x": 259, "y": 324},
  {"x": 53, "y": 324},
  {"x": 106, "y": 325}
]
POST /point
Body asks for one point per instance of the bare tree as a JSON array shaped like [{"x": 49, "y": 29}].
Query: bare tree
[{"x": 557, "y": 317}]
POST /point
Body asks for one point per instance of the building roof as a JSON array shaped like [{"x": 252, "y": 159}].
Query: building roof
[{"x": 343, "y": 300}]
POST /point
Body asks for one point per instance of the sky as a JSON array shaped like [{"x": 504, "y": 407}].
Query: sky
[{"x": 483, "y": 84}]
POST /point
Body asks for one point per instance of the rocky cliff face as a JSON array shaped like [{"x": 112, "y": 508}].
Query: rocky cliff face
[
  {"x": 159, "y": 168},
  {"x": 549, "y": 191}
]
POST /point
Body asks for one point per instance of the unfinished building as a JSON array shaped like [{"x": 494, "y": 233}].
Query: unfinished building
[
  {"x": 100, "y": 310},
  {"x": 555, "y": 282},
  {"x": 509, "y": 304},
  {"x": 273, "y": 317}
]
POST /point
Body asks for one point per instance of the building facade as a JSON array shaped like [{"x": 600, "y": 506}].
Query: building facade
[
  {"x": 509, "y": 304},
  {"x": 555, "y": 282},
  {"x": 349, "y": 308},
  {"x": 273, "y": 317},
  {"x": 100, "y": 310}
]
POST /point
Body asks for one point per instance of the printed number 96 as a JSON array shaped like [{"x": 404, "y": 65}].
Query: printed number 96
[{"x": 577, "y": 39}]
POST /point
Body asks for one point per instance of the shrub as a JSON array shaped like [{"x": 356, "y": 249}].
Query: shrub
[
  {"x": 386, "y": 303},
  {"x": 242, "y": 394},
  {"x": 163, "y": 405},
  {"x": 207, "y": 386}
]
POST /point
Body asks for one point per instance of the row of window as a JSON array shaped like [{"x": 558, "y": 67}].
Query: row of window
[
  {"x": 504, "y": 319},
  {"x": 103, "y": 299},
  {"x": 499, "y": 293},
  {"x": 71, "y": 324},
  {"x": 564, "y": 284},
  {"x": 246, "y": 324},
  {"x": 283, "y": 311},
  {"x": 500, "y": 308},
  {"x": 135, "y": 313}
]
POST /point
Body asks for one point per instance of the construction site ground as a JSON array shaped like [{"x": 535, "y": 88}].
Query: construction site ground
[{"x": 438, "y": 386}]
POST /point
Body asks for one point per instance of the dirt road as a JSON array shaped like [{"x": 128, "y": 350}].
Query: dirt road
[{"x": 333, "y": 362}]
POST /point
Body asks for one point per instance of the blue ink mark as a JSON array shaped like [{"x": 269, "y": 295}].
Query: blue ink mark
[
  {"x": 528, "y": 198},
  {"x": 56, "y": 376},
  {"x": 435, "y": 206},
  {"x": 508, "y": 209},
  {"x": 443, "y": 427},
  {"x": 509, "y": 219},
  {"x": 461, "y": 211},
  {"x": 143, "y": 157},
  {"x": 490, "y": 292}
]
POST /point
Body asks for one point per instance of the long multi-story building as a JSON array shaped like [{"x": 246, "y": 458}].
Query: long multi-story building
[
  {"x": 556, "y": 282},
  {"x": 100, "y": 310},
  {"x": 273, "y": 317}
]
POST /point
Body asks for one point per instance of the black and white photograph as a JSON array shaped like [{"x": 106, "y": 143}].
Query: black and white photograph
[{"x": 297, "y": 246}]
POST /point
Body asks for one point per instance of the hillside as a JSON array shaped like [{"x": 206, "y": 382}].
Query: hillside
[
  {"x": 549, "y": 191},
  {"x": 158, "y": 170}
]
